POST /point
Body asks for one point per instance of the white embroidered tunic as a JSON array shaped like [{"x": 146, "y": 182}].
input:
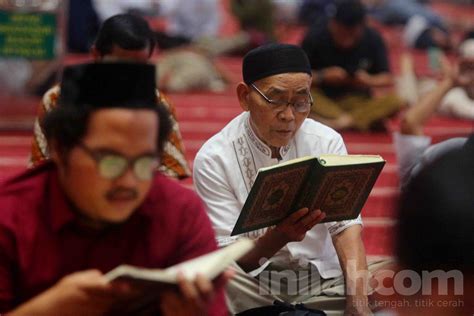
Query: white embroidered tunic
[{"x": 226, "y": 166}]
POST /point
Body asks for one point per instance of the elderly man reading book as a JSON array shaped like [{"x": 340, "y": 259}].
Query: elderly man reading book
[{"x": 297, "y": 261}]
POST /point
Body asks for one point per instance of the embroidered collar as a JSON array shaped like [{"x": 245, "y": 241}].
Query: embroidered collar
[{"x": 259, "y": 144}]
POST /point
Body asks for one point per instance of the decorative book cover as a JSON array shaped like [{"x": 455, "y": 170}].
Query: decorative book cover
[{"x": 338, "y": 190}]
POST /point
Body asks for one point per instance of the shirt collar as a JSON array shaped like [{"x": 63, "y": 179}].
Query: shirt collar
[{"x": 259, "y": 144}]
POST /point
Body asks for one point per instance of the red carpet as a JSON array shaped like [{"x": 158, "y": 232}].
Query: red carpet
[{"x": 203, "y": 114}]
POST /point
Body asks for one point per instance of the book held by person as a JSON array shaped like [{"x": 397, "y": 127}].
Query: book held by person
[
  {"x": 338, "y": 185},
  {"x": 209, "y": 265}
]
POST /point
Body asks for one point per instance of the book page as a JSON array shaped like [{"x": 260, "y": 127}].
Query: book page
[
  {"x": 141, "y": 273},
  {"x": 209, "y": 265},
  {"x": 289, "y": 162},
  {"x": 212, "y": 264},
  {"x": 340, "y": 160}
]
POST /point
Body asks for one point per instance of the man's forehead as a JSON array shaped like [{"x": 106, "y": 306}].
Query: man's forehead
[
  {"x": 121, "y": 113},
  {"x": 286, "y": 80},
  {"x": 122, "y": 124}
]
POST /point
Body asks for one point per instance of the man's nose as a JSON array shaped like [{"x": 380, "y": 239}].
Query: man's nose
[
  {"x": 128, "y": 179},
  {"x": 288, "y": 114}
]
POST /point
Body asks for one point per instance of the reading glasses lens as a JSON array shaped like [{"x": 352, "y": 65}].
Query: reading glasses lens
[
  {"x": 299, "y": 106},
  {"x": 112, "y": 167}
]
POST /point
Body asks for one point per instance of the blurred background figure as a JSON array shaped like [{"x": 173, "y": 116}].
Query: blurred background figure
[
  {"x": 121, "y": 37},
  {"x": 257, "y": 19},
  {"x": 414, "y": 149},
  {"x": 189, "y": 69},
  {"x": 313, "y": 11},
  {"x": 459, "y": 101},
  {"x": 185, "y": 21},
  {"x": 423, "y": 27},
  {"x": 458, "y": 96},
  {"x": 434, "y": 235},
  {"x": 349, "y": 59},
  {"x": 399, "y": 12},
  {"x": 82, "y": 24},
  {"x": 422, "y": 33}
]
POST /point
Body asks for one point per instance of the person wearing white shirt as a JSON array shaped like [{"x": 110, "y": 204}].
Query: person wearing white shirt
[
  {"x": 107, "y": 8},
  {"x": 459, "y": 101},
  {"x": 413, "y": 148},
  {"x": 190, "y": 20},
  {"x": 274, "y": 128}
]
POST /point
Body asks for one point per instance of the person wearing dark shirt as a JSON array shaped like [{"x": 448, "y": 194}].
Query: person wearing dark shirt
[
  {"x": 99, "y": 203},
  {"x": 349, "y": 60},
  {"x": 433, "y": 238}
]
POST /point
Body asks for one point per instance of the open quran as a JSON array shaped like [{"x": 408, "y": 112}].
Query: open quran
[
  {"x": 209, "y": 265},
  {"x": 150, "y": 283},
  {"x": 338, "y": 185}
]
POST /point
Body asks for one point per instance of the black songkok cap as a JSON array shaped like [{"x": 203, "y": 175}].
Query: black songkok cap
[
  {"x": 347, "y": 12},
  {"x": 105, "y": 85},
  {"x": 273, "y": 59}
]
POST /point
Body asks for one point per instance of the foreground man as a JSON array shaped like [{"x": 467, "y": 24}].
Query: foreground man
[
  {"x": 310, "y": 262},
  {"x": 98, "y": 204}
]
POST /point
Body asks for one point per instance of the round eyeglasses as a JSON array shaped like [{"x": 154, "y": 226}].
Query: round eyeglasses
[
  {"x": 300, "y": 105},
  {"x": 112, "y": 165}
]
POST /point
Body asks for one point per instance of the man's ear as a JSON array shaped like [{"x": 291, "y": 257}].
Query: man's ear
[{"x": 243, "y": 92}]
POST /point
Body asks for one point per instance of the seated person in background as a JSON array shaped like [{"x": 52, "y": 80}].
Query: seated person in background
[
  {"x": 434, "y": 235},
  {"x": 420, "y": 33},
  {"x": 393, "y": 12},
  {"x": 187, "y": 69},
  {"x": 124, "y": 37},
  {"x": 327, "y": 259},
  {"x": 312, "y": 11},
  {"x": 257, "y": 19},
  {"x": 424, "y": 28},
  {"x": 99, "y": 203},
  {"x": 459, "y": 101},
  {"x": 412, "y": 147},
  {"x": 349, "y": 60},
  {"x": 187, "y": 21}
]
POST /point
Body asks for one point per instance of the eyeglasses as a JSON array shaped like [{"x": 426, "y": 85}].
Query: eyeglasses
[
  {"x": 300, "y": 105},
  {"x": 112, "y": 165}
]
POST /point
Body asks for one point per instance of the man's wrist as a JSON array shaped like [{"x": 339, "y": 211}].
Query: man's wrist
[{"x": 275, "y": 237}]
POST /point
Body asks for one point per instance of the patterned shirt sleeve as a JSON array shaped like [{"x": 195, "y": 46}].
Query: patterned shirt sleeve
[
  {"x": 39, "y": 144},
  {"x": 174, "y": 163}
]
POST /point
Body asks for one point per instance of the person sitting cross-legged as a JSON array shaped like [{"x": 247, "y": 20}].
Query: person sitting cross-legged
[{"x": 297, "y": 261}]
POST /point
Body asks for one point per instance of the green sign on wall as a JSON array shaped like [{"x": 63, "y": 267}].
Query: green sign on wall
[{"x": 27, "y": 35}]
